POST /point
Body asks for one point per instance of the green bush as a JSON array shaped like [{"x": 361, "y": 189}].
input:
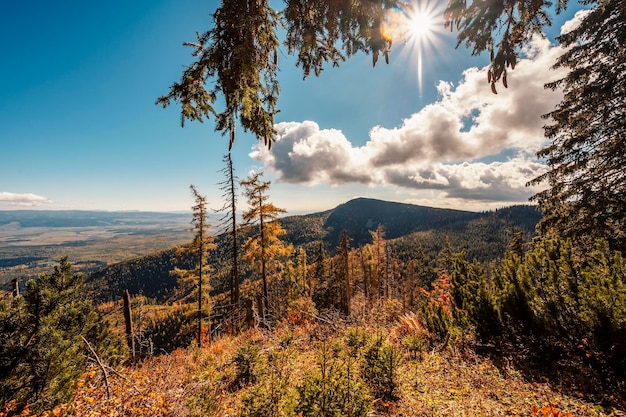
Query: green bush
[
  {"x": 177, "y": 329},
  {"x": 271, "y": 396},
  {"x": 564, "y": 308},
  {"x": 335, "y": 390},
  {"x": 381, "y": 361},
  {"x": 43, "y": 340},
  {"x": 246, "y": 360}
]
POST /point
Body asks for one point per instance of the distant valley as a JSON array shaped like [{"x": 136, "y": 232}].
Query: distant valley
[{"x": 33, "y": 240}]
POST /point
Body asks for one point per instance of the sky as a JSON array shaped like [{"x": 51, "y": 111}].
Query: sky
[{"x": 79, "y": 128}]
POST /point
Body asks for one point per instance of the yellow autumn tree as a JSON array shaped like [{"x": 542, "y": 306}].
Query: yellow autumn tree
[
  {"x": 263, "y": 248},
  {"x": 198, "y": 251}
]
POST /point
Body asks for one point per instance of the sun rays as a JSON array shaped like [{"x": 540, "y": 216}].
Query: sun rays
[{"x": 419, "y": 25}]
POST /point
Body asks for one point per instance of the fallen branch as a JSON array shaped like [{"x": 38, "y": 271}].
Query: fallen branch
[{"x": 101, "y": 365}]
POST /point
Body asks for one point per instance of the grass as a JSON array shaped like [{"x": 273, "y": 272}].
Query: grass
[{"x": 203, "y": 381}]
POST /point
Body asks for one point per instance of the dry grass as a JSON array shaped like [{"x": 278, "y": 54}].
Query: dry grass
[{"x": 199, "y": 382}]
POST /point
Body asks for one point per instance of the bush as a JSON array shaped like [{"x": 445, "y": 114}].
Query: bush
[
  {"x": 42, "y": 340},
  {"x": 381, "y": 361},
  {"x": 246, "y": 360},
  {"x": 335, "y": 390},
  {"x": 271, "y": 396},
  {"x": 567, "y": 310}
]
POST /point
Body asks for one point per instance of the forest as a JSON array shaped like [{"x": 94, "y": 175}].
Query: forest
[{"x": 323, "y": 316}]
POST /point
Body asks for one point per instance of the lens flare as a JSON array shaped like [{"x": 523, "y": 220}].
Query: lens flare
[{"x": 418, "y": 24}]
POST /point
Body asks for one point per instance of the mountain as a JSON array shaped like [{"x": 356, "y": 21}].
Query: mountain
[
  {"x": 362, "y": 215},
  {"x": 483, "y": 236}
]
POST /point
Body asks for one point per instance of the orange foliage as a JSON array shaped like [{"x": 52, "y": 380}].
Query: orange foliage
[
  {"x": 440, "y": 294},
  {"x": 548, "y": 411}
]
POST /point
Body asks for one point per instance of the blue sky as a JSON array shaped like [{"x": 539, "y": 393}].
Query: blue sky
[{"x": 79, "y": 128}]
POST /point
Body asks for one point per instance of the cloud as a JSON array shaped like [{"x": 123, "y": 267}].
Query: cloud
[
  {"x": 23, "y": 200},
  {"x": 454, "y": 145},
  {"x": 575, "y": 21}
]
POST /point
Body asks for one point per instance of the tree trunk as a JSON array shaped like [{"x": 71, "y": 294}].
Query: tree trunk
[
  {"x": 128, "y": 319},
  {"x": 16, "y": 287}
]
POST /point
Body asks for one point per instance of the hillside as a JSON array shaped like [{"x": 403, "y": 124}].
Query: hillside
[
  {"x": 282, "y": 373},
  {"x": 484, "y": 236}
]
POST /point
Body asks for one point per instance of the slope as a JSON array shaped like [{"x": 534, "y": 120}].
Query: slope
[{"x": 484, "y": 236}]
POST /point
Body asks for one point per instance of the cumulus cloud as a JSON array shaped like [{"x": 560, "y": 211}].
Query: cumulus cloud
[
  {"x": 575, "y": 21},
  {"x": 442, "y": 147},
  {"x": 23, "y": 200}
]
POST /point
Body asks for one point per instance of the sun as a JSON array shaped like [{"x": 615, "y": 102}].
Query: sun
[{"x": 420, "y": 25}]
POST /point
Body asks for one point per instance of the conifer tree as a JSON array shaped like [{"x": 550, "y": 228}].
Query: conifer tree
[
  {"x": 585, "y": 197},
  {"x": 445, "y": 258},
  {"x": 368, "y": 265},
  {"x": 264, "y": 246},
  {"x": 324, "y": 290},
  {"x": 199, "y": 248},
  {"x": 304, "y": 286},
  {"x": 379, "y": 247},
  {"x": 42, "y": 350},
  {"x": 238, "y": 57}
]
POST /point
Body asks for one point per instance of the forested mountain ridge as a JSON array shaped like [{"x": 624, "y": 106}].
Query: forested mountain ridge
[{"x": 484, "y": 236}]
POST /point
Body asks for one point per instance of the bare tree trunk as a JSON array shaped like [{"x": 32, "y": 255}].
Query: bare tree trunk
[
  {"x": 16, "y": 287},
  {"x": 235, "y": 257},
  {"x": 128, "y": 319}
]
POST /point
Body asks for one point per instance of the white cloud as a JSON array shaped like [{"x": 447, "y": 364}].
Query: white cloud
[
  {"x": 23, "y": 200},
  {"x": 442, "y": 147},
  {"x": 575, "y": 21}
]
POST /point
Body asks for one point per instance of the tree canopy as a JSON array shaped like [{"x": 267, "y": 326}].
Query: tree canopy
[
  {"x": 237, "y": 60},
  {"x": 586, "y": 194}
]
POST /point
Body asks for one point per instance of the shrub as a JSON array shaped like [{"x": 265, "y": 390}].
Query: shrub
[
  {"x": 335, "y": 390},
  {"x": 246, "y": 360},
  {"x": 381, "y": 361},
  {"x": 43, "y": 340}
]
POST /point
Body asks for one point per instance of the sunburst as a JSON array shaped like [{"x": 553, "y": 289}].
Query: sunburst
[{"x": 419, "y": 25}]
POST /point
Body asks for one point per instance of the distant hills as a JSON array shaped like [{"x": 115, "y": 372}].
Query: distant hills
[
  {"x": 86, "y": 218},
  {"x": 484, "y": 236}
]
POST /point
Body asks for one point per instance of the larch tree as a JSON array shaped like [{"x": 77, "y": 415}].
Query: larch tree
[
  {"x": 379, "y": 247},
  {"x": 322, "y": 287},
  {"x": 586, "y": 194},
  {"x": 304, "y": 286},
  {"x": 237, "y": 60},
  {"x": 264, "y": 246},
  {"x": 198, "y": 250}
]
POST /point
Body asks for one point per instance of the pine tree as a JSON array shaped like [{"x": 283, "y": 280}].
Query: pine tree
[
  {"x": 445, "y": 258},
  {"x": 368, "y": 265},
  {"x": 303, "y": 285},
  {"x": 199, "y": 249},
  {"x": 379, "y": 248},
  {"x": 321, "y": 276},
  {"x": 42, "y": 340},
  {"x": 586, "y": 198},
  {"x": 264, "y": 246},
  {"x": 586, "y": 195}
]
